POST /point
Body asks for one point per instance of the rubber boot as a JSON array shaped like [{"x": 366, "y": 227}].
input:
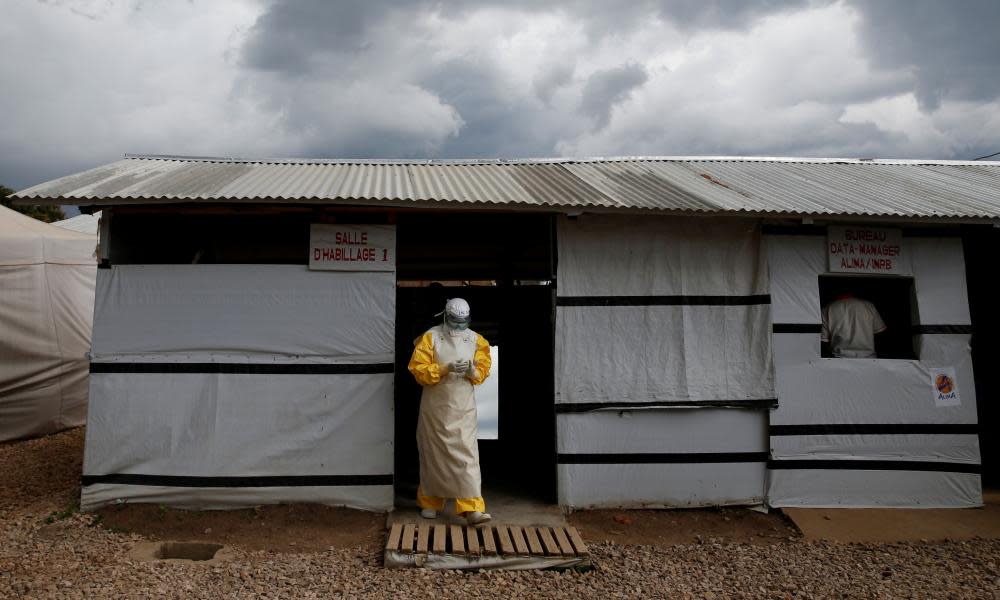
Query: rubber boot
[{"x": 474, "y": 517}]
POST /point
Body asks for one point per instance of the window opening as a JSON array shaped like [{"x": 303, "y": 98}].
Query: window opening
[{"x": 867, "y": 316}]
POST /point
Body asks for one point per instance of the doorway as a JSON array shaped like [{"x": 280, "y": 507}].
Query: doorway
[
  {"x": 981, "y": 246},
  {"x": 503, "y": 265}
]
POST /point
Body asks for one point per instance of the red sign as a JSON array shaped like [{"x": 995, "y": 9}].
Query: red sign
[
  {"x": 860, "y": 249},
  {"x": 352, "y": 247}
]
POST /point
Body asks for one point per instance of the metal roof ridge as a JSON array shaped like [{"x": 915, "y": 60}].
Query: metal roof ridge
[{"x": 557, "y": 160}]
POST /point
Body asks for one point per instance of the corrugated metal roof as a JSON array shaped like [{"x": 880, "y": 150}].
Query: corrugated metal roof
[{"x": 779, "y": 186}]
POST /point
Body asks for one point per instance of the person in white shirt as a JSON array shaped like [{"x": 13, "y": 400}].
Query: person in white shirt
[{"x": 850, "y": 325}]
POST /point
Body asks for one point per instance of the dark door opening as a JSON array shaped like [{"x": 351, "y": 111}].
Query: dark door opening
[
  {"x": 982, "y": 245},
  {"x": 503, "y": 266}
]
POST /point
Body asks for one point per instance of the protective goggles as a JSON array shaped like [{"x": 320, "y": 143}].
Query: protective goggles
[{"x": 456, "y": 322}]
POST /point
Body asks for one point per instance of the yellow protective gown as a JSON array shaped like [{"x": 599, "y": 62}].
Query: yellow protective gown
[{"x": 447, "y": 428}]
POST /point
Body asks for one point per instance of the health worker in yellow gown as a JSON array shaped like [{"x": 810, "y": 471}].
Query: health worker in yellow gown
[{"x": 447, "y": 361}]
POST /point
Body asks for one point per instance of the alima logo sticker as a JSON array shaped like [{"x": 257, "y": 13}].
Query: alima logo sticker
[
  {"x": 945, "y": 387},
  {"x": 944, "y": 384}
]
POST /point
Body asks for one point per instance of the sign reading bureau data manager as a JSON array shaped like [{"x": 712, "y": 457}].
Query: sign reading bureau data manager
[
  {"x": 863, "y": 249},
  {"x": 352, "y": 247}
]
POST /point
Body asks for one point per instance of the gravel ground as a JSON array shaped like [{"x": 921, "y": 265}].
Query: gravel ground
[{"x": 47, "y": 550}]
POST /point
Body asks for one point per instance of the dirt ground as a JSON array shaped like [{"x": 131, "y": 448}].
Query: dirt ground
[
  {"x": 673, "y": 527},
  {"x": 285, "y": 528},
  {"x": 48, "y": 549},
  {"x": 47, "y": 467},
  {"x": 898, "y": 525},
  {"x": 50, "y": 467}
]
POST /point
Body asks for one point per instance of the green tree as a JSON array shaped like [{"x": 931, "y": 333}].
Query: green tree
[{"x": 48, "y": 213}]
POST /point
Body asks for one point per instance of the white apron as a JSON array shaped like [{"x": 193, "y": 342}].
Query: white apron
[{"x": 446, "y": 427}]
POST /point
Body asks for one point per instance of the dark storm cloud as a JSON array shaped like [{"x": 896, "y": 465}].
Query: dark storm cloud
[
  {"x": 340, "y": 42},
  {"x": 290, "y": 34},
  {"x": 953, "y": 48},
  {"x": 551, "y": 79},
  {"x": 690, "y": 16},
  {"x": 726, "y": 14},
  {"x": 495, "y": 124},
  {"x": 608, "y": 87},
  {"x": 291, "y": 43},
  {"x": 18, "y": 171}
]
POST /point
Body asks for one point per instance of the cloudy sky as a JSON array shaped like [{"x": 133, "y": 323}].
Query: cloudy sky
[{"x": 84, "y": 81}]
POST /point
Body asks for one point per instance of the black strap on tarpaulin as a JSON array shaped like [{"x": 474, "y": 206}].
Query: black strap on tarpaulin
[
  {"x": 243, "y": 368},
  {"x": 237, "y": 482},
  {"x": 750, "y": 300},
  {"x": 796, "y": 328},
  {"x": 582, "y": 407},
  {"x": 876, "y": 465},
  {"x": 661, "y": 458},
  {"x": 876, "y": 429},
  {"x": 942, "y": 329},
  {"x": 915, "y": 329}
]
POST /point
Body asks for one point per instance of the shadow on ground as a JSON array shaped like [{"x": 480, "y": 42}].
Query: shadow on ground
[{"x": 281, "y": 528}]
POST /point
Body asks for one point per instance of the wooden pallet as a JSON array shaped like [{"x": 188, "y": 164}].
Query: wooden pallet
[{"x": 437, "y": 546}]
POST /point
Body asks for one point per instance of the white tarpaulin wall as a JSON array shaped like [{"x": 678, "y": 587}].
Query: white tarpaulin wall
[
  {"x": 220, "y": 386},
  {"x": 868, "y": 432},
  {"x": 663, "y": 361},
  {"x": 46, "y": 309}
]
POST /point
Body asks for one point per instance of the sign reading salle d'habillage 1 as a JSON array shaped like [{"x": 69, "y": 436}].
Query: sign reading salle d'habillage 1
[
  {"x": 352, "y": 247},
  {"x": 860, "y": 249}
]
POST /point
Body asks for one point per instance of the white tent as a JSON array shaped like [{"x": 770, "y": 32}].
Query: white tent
[
  {"x": 47, "y": 279},
  {"x": 81, "y": 223}
]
